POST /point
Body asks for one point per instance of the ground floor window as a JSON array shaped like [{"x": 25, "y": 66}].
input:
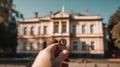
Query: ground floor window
[
  {"x": 75, "y": 45},
  {"x": 31, "y": 46},
  {"x": 44, "y": 45},
  {"x": 92, "y": 46},
  {"x": 84, "y": 46},
  {"x": 38, "y": 46},
  {"x": 23, "y": 47}
]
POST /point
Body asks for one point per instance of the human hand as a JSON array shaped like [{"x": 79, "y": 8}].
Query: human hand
[{"x": 46, "y": 57}]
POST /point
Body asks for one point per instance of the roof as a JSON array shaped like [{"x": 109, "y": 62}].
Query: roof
[{"x": 61, "y": 14}]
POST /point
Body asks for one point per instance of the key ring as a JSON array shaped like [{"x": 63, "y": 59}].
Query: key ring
[{"x": 62, "y": 42}]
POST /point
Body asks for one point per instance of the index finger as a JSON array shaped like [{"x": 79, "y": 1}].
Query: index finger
[{"x": 52, "y": 47}]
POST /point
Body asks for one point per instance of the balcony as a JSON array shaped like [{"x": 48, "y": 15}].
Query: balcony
[
  {"x": 87, "y": 51},
  {"x": 28, "y": 51},
  {"x": 61, "y": 34}
]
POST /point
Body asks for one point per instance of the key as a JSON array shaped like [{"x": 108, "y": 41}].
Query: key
[
  {"x": 62, "y": 45},
  {"x": 62, "y": 41}
]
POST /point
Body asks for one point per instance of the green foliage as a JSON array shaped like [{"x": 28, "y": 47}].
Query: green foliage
[
  {"x": 114, "y": 29},
  {"x": 116, "y": 34},
  {"x": 8, "y": 27}
]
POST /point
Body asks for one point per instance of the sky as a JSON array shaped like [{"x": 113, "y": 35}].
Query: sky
[{"x": 104, "y": 8}]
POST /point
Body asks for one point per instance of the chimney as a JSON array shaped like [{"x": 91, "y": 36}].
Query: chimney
[
  {"x": 51, "y": 13},
  {"x": 86, "y": 12},
  {"x": 36, "y": 15},
  {"x": 71, "y": 12}
]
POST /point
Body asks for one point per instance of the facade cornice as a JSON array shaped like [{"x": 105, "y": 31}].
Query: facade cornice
[
  {"x": 26, "y": 22},
  {"x": 86, "y": 19}
]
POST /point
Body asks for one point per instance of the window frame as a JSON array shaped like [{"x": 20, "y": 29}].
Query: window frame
[
  {"x": 56, "y": 27},
  {"x": 45, "y": 29},
  {"x": 64, "y": 27},
  {"x": 31, "y": 46},
  {"x": 39, "y": 28},
  {"x": 74, "y": 29},
  {"x": 25, "y": 30},
  {"x": 83, "y": 29},
  {"x": 23, "y": 48},
  {"x": 92, "y": 45},
  {"x": 32, "y": 30},
  {"x": 75, "y": 47},
  {"x": 92, "y": 29},
  {"x": 84, "y": 46}
]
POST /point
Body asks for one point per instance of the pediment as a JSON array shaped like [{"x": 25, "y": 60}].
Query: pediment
[{"x": 60, "y": 14}]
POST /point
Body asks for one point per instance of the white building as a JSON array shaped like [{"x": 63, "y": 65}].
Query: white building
[{"x": 84, "y": 33}]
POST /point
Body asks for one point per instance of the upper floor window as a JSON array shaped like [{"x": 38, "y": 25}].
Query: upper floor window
[
  {"x": 83, "y": 29},
  {"x": 56, "y": 27},
  {"x": 45, "y": 29},
  {"x": 63, "y": 27},
  {"x": 75, "y": 45},
  {"x": 92, "y": 45},
  {"x": 25, "y": 30},
  {"x": 39, "y": 30},
  {"x": 91, "y": 28},
  {"x": 74, "y": 29},
  {"x": 32, "y": 31},
  {"x": 84, "y": 46}
]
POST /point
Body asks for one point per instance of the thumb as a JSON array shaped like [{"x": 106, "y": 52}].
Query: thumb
[
  {"x": 51, "y": 47},
  {"x": 63, "y": 55}
]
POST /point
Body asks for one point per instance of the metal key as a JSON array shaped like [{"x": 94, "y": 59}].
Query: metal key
[
  {"x": 62, "y": 41},
  {"x": 62, "y": 45}
]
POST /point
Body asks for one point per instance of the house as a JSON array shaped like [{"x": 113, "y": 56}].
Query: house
[{"x": 83, "y": 33}]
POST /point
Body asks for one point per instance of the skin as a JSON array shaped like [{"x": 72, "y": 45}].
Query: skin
[{"x": 46, "y": 57}]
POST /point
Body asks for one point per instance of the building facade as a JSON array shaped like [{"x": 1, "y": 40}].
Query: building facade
[{"x": 83, "y": 33}]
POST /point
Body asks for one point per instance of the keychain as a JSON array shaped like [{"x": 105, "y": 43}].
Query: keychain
[
  {"x": 62, "y": 41},
  {"x": 62, "y": 45}
]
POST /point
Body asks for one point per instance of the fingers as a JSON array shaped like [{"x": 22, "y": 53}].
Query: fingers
[
  {"x": 67, "y": 59},
  {"x": 65, "y": 65},
  {"x": 63, "y": 55},
  {"x": 52, "y": 47}
]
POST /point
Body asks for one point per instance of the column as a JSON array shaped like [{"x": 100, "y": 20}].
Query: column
[
  {"x": 60, "y": 27},
  {"x": 51, "y": 28},
  {"x": 67, "y": 24}
]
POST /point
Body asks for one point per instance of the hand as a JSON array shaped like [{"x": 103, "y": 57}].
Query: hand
[{"x": 46, "y": 57}]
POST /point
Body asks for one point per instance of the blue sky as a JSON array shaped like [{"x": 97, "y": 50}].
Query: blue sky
[{"x": 104, "y": 8}]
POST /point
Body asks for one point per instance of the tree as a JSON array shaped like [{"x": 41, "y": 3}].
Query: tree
[
  {"x": 8, "y": 27},
  {"x": 114, "y": 29}
]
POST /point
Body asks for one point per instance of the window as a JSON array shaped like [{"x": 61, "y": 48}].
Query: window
[
  {"x": 38, "y": 30},
  {"x": 74, "y": 29},
  {"x": 91, "y": 28},
  {"x": 92, "y": 46},
  {"x": 56, "y": 27},
  {"x": 63, "y": 27},
  {"x": 38, "y": 46},
  {"x": 25, "y": 30},
  {"x": 23, "y": 46},
  {"x": 84, "y": 46},
  {"x": 75, "y": 45},
  {"x": 32, "y": 31},
  {"x": 44, "y": 45},
  {"x": 83, "y": 29},
  {"x": 45, "y": 29},
  {"x": 31, "y": 46}
]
